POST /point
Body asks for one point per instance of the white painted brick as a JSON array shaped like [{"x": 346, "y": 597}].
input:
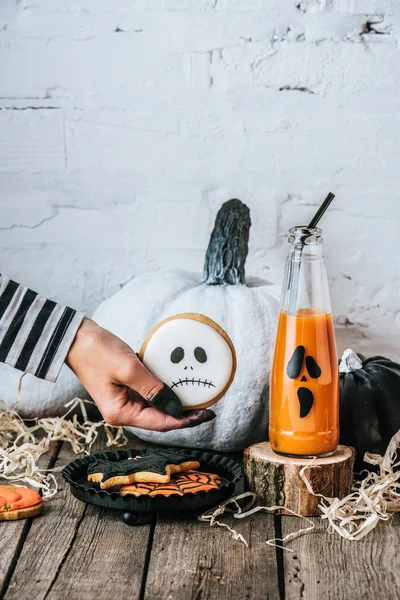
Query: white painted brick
[
  {"x": 93, "y": 137},
  {"x": 111, "y": 66},
  {"x": 36, "y": 191},
  {"x": 143, "y": 224},
  {"x": 348, "y": 6},
  {"x": 112, "y": 142},
  {"x": 83, "y": 6},
  {"x": 31, "y": 140}
]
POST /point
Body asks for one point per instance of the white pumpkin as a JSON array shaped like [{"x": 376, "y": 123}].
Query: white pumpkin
[{"x": 246, "y": 311}]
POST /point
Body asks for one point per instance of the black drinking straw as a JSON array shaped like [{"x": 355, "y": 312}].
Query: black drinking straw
[
  {"x": 297, "y": 255},
  {"x": 315, "y": 220}
]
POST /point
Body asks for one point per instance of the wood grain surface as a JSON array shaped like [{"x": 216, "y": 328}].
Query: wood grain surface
[
  {"x": 328, "y": 567},
  {"x": 190, "y": 559}
]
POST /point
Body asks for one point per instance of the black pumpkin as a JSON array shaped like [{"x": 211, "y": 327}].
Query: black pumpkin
[{"x": 369, "y": 403}]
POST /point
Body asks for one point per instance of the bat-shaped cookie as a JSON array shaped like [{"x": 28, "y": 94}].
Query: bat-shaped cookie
[{"x": 155, "y": 466}]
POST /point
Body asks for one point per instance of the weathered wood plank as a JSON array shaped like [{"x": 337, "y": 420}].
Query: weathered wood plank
[
  {"x": 77, "y": 551},
  {"x": 107, "y": 559},
  {"x": 47, "y": 541},
  {"x": 13, "y": 533},
  {"x": 12, "y": 537},
  {"x": 330, "y": 567},
  {"x": 191, "y": 560}
]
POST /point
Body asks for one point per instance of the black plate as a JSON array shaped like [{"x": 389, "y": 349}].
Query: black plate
[{"x": 88, "y": 491}]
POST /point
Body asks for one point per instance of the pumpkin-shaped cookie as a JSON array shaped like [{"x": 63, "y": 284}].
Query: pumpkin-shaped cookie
[{"x": 18, "y": 503}]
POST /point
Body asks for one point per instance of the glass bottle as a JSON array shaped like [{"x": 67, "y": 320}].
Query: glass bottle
[{"x": 304, "y": 384}]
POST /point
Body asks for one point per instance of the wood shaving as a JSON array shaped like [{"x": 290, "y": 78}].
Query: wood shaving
[
  {"x": 375, "y": 498},
  {"x": 22, "y": 444},
  {"x": 241, "y": 512}
]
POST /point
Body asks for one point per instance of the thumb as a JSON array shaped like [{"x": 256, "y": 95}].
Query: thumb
[{"x": 138, "y": 378}]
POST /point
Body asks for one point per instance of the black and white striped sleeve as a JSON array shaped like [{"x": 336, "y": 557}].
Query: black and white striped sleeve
[{"x": 35, "y": 333}]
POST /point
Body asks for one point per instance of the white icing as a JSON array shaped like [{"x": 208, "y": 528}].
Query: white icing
[{"x": 195, "y": 382}]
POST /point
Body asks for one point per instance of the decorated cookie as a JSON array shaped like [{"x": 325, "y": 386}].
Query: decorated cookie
[
  {"x": 18, "y": 503},
  {"x": 139, "y": 489},
  {"x": 196, "y": 481},
  {"x": 194, "y": 356},
  {"x": 184, "y": 483},
  {"x": 154, "y": 466}
]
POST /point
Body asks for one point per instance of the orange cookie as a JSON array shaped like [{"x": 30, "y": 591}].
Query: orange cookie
[
  {"x": 184, "y": 483},
  {"x": 18, "y": 503},
  {"x": 166, "y": 489},
  {"x": 196, "y": 481},
  {"x": 138, "y": 489}
]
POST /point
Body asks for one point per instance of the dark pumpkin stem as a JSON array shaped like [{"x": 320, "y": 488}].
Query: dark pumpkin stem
[{"x": 229, "y": 245}]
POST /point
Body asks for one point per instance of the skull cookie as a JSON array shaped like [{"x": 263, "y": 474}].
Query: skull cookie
[{"x": 193, "y": 355}]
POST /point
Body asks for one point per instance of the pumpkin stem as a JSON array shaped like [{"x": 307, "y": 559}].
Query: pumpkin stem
[
  {"x": 350, "y": 362},
  {"x": 228, "y": 247}
]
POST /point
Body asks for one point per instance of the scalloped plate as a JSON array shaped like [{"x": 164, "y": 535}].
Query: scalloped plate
[{"x": 75, "y": 473}]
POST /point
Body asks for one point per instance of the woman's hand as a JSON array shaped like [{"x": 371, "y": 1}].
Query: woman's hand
[{"x": 125, "y": 392}]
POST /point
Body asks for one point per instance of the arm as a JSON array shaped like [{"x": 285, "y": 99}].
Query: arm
[{"x": 35, "y": 333}]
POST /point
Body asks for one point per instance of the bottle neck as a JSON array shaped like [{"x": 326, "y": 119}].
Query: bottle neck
[
  {"x": 305, "y": 287},
  {"x": 304, "y": 236}
]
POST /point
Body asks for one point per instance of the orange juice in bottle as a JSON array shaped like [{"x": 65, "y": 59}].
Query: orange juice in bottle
[{"x": 304, "y": 384}]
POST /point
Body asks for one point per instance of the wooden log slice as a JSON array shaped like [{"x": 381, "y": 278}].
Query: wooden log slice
[{"x": 276, "y": 479}]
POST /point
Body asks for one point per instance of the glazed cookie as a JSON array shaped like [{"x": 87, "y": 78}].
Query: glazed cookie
[
  {"x": 18, "y": 503},
  {"x": 139, "y": 489},
  {"x": 196, "y": 481},
  {"x": 154, "y": 466},
  {"x": 190, "y": 482},
  {"x": 193, "y": 355}
]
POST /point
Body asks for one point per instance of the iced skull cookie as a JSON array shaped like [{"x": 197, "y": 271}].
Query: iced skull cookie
[{"x": 193, "y": 355}]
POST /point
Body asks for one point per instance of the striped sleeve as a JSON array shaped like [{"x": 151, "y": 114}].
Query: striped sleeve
[{"x": 35, "y": 333}]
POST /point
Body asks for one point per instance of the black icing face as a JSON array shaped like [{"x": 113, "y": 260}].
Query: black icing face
[
  {"x": 294, "y": 368},
  {"x": 177, "y": 355},
  {"x": 189, "y": 359}
]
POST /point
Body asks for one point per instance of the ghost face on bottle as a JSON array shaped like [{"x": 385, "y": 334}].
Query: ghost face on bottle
[
  {"x": 191, "y": 356},
  {"x": 301, "y": 364}
]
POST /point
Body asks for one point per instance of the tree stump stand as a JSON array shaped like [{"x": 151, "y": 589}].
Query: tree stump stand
[{"x": 276, "y": 479}]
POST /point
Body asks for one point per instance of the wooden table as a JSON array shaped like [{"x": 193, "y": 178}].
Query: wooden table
[{"x": 80, "y": 552}]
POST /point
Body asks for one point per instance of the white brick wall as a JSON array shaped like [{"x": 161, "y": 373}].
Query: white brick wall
[{"x": 124, "y": 125}]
